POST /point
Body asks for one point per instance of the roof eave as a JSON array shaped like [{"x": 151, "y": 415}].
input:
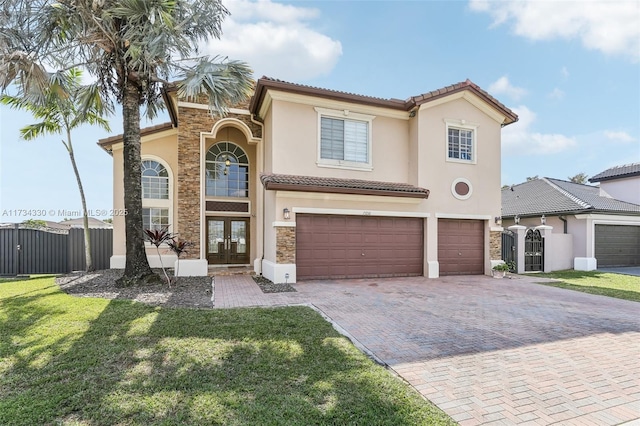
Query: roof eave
[{"x": 277, "y": 186}]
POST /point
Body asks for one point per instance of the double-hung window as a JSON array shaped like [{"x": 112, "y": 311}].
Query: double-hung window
[
  {"x": 344, "y": 139},
  {"x": 461, "y": 142}
]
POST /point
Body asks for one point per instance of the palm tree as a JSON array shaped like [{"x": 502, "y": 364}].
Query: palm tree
[
  {"x": 63, "y": 107},
  {"x": 132, "y": 47}
]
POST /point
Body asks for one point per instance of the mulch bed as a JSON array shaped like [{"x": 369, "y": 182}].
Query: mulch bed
[{"x": 268, "y": 286}]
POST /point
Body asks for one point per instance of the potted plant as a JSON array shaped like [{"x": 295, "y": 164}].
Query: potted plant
[{"x": 501, "y": 269}]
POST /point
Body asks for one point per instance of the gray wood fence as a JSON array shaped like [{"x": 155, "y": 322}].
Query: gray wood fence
[{"x": 37, "y": 251}]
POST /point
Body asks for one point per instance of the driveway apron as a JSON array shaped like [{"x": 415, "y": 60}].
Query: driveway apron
[{"x": 485, "y": 351}]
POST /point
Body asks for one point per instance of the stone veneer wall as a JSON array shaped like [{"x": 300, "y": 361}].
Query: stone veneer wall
[
  {"x": 285, "y": 244},
  {"x": 191, "y": 123},
  {"x": 495, "y": 245}
]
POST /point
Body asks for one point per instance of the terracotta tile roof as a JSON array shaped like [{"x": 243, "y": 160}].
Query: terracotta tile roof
[
  {"x": 554, "y": 196},
  {"x": 618, "y": 172},
  {"x": 335, "y": 185},
  {"x": 107, "y": 142},
  {"x": 266, "y": 83}
]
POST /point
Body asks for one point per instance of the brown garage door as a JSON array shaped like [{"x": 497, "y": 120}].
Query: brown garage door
[
  {"x": 461, "y": 247},
  {"x": 617, "y": 245},
  {"x": 330, "y": 246}
]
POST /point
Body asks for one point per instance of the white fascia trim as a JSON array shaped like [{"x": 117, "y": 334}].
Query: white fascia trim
[
  {"x": 283, "y": 224},
  {"x": 347, "y": 197},
  {"x": 463, "y": 216},
  {"x": 149, "y": 138},
  {"x": 610, "y": 219},
  {"x": 358, "y": 212},
  {"x": 331, "y": 104},
  {"x": 206, "y": 107},
  {"x": 472, "y": 99}
]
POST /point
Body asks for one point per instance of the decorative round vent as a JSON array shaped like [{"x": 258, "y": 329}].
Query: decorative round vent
[{"x": 461, "y": 189}]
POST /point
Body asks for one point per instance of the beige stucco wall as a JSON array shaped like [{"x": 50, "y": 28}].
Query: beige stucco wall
[
  {"x": 623, "y": 189},
  {"x": 162, "y": 147}
]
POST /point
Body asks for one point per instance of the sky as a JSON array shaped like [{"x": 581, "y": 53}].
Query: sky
[{"x": 570, "y": 70}]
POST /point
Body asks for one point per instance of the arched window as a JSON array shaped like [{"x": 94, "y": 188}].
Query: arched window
[
  {"x": 155, "y": 180},
  {"x": 155, "y": 195},
  {"x": 227, "y": 171}
]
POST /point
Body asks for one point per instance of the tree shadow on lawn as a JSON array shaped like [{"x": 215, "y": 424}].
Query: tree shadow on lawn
[{"x": 91, "y": 361}]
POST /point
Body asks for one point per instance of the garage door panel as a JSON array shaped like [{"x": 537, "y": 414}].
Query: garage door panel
[
  {"x": 461, "y": 247},
  {"x": 617, "y": 245},
  {"x": 333, "y": 246}
]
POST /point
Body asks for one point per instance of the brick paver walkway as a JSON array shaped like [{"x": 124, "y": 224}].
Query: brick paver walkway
[{"x": 486, "y": 351}]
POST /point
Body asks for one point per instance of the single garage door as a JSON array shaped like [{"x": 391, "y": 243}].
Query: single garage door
[
  {"x": 330, "y": 246},
  {"x": 461, "y": 247},
  {"x": 617, "y": 245}
]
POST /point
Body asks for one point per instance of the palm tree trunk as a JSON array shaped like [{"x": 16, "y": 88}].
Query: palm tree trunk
[
  {"x": 137, "y": 269},
  {"x": 85, "y": 222}
]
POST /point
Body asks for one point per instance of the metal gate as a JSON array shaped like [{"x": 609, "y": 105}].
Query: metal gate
[
  {"x": 533, "y": 251},
  {"x": 509, "y": 249}
]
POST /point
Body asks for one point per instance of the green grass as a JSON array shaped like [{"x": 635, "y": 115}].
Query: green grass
[
  {"x": 603, "y": 283},
  {"x": 77, "y": 361}
]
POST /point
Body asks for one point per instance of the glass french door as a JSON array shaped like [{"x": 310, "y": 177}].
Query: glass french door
[{"x": 227, "y": 240}]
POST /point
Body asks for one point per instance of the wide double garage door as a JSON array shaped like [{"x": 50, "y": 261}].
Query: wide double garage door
[
  {"x": 332, "y": 246},
  {"x": 617, "y": 245}
]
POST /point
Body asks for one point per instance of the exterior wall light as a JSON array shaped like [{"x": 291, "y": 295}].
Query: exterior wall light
[
  {"x": 543, "y": 220},
  {"x": 498, "y": 220},
  {"x": 516, "y": 219},
  {"x": 286, "y": 213}
]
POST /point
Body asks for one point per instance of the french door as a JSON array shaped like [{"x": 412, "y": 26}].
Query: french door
[{"x": 227, "y": 240}]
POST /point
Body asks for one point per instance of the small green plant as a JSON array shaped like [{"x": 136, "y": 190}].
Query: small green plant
[{"x": 503, "y": 267}]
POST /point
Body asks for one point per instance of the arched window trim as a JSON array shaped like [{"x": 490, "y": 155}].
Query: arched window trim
[
  {"x": 241, "y": 159},
  {"x": 160, "y": 203}
]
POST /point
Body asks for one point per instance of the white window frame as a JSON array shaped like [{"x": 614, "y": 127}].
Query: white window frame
[
  {"x": 159, "y": 202},
  {"x": 347, "y": 116},
  {"x": 462, "y": 125}
]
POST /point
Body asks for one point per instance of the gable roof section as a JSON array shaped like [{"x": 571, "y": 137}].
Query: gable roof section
[
  {"x": 266, "y": 83},
  {"x": 341, "y": 186},
  {"x": 549, "y": 196},
  {"x": 617, "y": 172},
  {"x": 106, "y": 143}
]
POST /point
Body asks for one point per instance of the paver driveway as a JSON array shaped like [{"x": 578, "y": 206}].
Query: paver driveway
[{"x": 486, "y": 351}]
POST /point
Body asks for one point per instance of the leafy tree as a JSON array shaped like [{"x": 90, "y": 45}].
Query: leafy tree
[
  {"x": 132, "y": 48},
  {"x": 34, "y": 223},
  {"x": 579, "y": 178},
  {"x": 530, "y": 178},
  {"x": 64, "y": 106}
]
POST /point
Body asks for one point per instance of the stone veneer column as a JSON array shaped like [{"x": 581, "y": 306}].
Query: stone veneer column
[
  {"x": 285, "y": 245},
  {"x": 495, "y": 245},
  {"x": 192, "y": 122}
]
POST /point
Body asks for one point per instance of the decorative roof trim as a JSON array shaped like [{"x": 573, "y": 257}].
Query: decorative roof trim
[
  {"x": 273, "y": 182},
  {"x": 568, "y": 194}
]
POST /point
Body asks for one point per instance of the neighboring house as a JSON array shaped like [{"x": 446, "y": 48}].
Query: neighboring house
[
  {"x": 590, "y": 229},
  {"x": 620, "y": 182},
  {"x": 305, "y": 183},
  {"x": 93, "y": 223}
]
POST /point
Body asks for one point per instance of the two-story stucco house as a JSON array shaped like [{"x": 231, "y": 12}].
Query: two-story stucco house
[{"x": 307, "y": 183}]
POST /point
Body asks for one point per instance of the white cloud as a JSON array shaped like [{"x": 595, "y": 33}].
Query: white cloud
[
  {"x": 556, "y": 94},
  {"x": 518, "y": 139},
  {"x": 618, "y": 136},
  {"x": 612, "y": 27},
  {"x": 276, "y": 40},
  {"x": 565, "y": 72},
  {"x": 503, "y": 86}
]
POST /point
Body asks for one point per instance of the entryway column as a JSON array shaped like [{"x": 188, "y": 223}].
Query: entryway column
[
  {"x": 520, "y": 232},
  {"x": 546, "y": 230}
]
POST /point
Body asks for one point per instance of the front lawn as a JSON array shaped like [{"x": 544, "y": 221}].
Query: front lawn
[
  {"x": 79, "y": 361},
  {"x": 595, "y": 282}
]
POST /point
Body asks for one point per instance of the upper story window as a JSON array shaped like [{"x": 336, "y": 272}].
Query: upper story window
[
  {"x": 155, "y": 180},
  {"x": 227, "y": 171},
  {"x": 344, "y": 139},
  {"x": 461, "y": 142},
  {"x": 156, "y": 195}
]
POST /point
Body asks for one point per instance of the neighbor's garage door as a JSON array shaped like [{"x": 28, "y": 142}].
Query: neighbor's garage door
[
  {"x": 330, "y": 246},
  {"x": 461, "y": 247},
  {"x": 617, "y": 245}
]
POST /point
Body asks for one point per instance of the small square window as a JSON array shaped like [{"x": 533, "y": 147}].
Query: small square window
[{"x": 461, "y": 142}]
